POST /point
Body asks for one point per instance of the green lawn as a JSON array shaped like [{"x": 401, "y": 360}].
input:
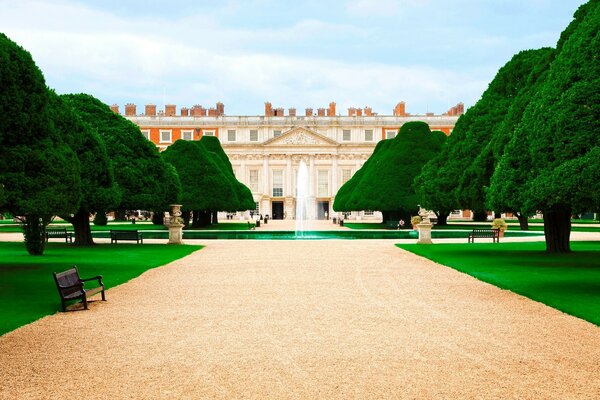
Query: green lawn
[
  {"x": 568, "y": 282},
  {"x": 28, "y": 291}
]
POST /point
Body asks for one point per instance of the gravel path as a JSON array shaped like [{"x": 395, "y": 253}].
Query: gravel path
[{"x": 304, "y": 319}]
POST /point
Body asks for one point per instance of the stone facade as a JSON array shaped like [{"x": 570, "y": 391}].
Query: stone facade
[{"x": 266, "y": 151}]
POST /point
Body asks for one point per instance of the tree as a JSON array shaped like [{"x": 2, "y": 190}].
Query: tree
[
  {"x": 531, "y": 67},
  {"x": 38, "y": 171},
  {"x": 556, "y": 143},
  {"x": 98, "y": 187},
  {"x": 143, "y": 177},
  {"x": 343, "y": 195},
  {"x": 388, "y": 183},
  {"x": 206, "y": 188},
  {"x": 243, "y": 193}
]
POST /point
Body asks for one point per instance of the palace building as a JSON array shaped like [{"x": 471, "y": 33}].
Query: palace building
[{"x": 266, "y": 151}]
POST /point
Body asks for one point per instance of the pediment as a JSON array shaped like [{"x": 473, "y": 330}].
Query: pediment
[{"x": 300, "y": 136}]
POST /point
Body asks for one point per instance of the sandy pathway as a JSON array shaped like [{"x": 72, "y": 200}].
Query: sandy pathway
[{"x": 304, "y": 319}]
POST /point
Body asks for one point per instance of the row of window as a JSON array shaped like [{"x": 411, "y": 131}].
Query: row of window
[
  {"x": 277, "y": 188},
  {"x": 166, "y": 136}
]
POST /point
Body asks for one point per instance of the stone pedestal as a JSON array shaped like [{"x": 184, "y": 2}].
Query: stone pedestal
[
  {"x": 175, "y": 224},
  {"x": 424, "y": 230}
]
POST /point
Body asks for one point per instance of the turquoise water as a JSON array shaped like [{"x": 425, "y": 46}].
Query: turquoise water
[{"x": 316, "y": 235}]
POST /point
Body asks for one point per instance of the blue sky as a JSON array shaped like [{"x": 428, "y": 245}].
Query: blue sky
[{"x": 429, "y": 53}]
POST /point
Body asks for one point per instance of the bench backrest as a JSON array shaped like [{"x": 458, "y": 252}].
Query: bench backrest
[
  {"x": 485, "y": 231},
  {"x": 56, "y": 231},
  {"x": 125, "y": 234},
  {"x": 69, "y": 277}
]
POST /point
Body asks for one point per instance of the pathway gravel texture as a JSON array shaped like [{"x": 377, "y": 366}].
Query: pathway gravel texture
[{"x": 304, "y": 320}]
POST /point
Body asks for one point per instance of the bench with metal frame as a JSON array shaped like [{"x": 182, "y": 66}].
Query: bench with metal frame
[
  {"x": 493, "y": 234},
  {"x": 59, "y": 233},
  {"x": 71, "y": 287},
  {"x": 116, "y": 235}
]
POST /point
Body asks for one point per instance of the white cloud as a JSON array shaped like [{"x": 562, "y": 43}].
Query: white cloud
[{"x": 197, "y": 58}]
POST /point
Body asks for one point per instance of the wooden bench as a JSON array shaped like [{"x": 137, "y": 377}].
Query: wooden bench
[
  {"x": 59, "y": 233},
  {"x": 71, "y": 287},
  {"x": 116, "y": 235},
  {"x": 493, "y": 234}
]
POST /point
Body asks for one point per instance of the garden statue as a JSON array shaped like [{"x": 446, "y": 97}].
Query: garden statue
[{"x": 175, "y": 224}]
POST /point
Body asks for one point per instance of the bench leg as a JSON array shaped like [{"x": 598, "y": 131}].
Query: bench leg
[
  {"x": 103, "y": 297},
  {"x": 64, "y": 306},
  {"x": 85, "y": 303}
]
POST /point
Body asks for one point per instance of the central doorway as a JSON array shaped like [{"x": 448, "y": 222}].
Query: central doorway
[
  {"x": 277, "y": 209},
  {"x": 322, "y": 210}
]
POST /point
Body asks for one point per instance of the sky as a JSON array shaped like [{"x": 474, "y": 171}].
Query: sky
[{"x": 431, "y": 54}]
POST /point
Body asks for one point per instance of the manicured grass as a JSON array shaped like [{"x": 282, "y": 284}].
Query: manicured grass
[
  {"x": 28, "y": 291},
  {"x": 567, "y": 282}
]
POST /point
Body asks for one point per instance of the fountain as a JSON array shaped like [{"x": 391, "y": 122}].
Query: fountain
[{"x": 301, "y": 198}]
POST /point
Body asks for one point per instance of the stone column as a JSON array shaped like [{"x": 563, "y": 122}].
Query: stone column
[
  {"x": 265, "y": 182},
  {"x": 288, "y": 175},
  {"x": 334, "y": 175},
  {"x": 242, "y": 174}
]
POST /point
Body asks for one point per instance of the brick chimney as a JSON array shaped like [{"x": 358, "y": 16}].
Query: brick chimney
[
  {"x": 400, "y": 109},
  {"x": 309, "y": 112},
  {"x": 368, "y": 111},
  {"x": 185, "y": 112},
  {"x": 220, "y": 109},
  {"x": 170, "y": 110},
  {"x": 321, "y": 112},
  {"x": 351, "y": 112},
  {"x": 212, "y": 112},
  {"x": 115, "y": 108},
  {"x": 292, "y": 112},
  {"x": 331, "y": 110},
  {"x": 268, "y": 109},
  {"x": 279, "y": 112},
  {"x": 198, "y": 111},
  {"x": 359, "y": 112},
  {"x": 150, "y": 110},
  {"x": 460, "y": 109},
  {"x": 130, "y": 110}
]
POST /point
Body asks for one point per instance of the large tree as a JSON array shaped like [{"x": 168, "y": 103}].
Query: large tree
[
  {"x": 388, "y": 183},
  {"x": 99, "y": 189},
  {"x": 556, "y": 143},
  {"x": 342, "y": 196},
  {"x": 205, "y": 187},
  {"x": 144, "y": 179},
  {"x": 243, "y": 193},
  {"x": 38, "y": 171}
]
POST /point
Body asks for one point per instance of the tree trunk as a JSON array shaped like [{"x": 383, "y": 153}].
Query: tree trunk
[
  {"x": 81, "y": 226},
  {"x": 442, "y": 218},
  {"x": 557, "y": 228},
  {"x": 215, "y": 217},
  {"x": 480, "y": 216},
  {"x": 523, "y": 221},
  {"x": 497, "y": 215},
  {"x": 158, "y": 218},
  {"x": 186, "y": 218},
  {"x": 34, "y": 232},
  {"x": 120, "y": 215}
]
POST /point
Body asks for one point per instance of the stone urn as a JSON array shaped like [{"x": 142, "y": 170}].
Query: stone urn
[
  {"x": 424, "y": 228},
  {"x": 175, "y": 224}
]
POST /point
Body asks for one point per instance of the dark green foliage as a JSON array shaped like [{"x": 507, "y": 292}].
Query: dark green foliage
[
  {"x": 40, "y": 174},
  {"x": 139, "y": 170},
  {"x": 158, "y": 218},
  {"x": 243, "y": 193},
  {"x": 100, "y": 219},
  {"x": 555, "y": 146},
  {"x": 199, "y": 175},
  {"x": 99, "y": 189},
  {"x": 386, "y": 184},
  {"x": 343, "y": 195}
]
